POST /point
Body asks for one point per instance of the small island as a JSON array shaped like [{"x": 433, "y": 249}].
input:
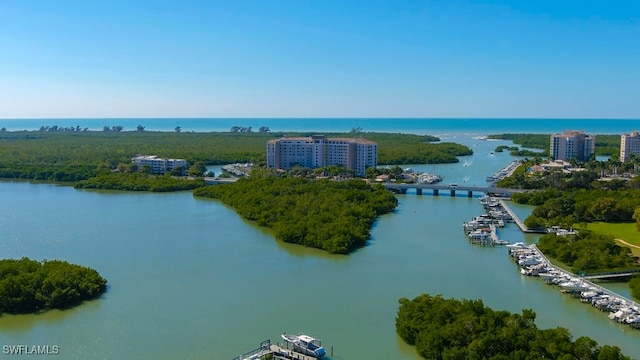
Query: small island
[
  {"x": 29, "y": 286},
  {"x": 335, "y": 216}
]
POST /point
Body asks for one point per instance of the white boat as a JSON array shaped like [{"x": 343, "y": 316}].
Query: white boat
[
  {"x": 305, "y": 344},
  {"x": 518, "y": 245},
  {"x": 574, "y": 285},
  {"x": 427, "y": 178},
  {"x": 478, "y": 235},
  {"x": 530, "y": 260}
]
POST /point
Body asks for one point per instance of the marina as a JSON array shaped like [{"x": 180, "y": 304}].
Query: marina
[
  {"x": 145, "y": 312},
  {"x": 504, "y": 172},
  {"x": 532, "y": 262},
  {"x": 482, "y": 229}
]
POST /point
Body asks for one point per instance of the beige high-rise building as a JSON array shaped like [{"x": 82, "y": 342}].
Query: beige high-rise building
[
  {"x": 629, "y": 144},
  {"x": 572, "y": 145},
  {"x": 317, "y": 151}
]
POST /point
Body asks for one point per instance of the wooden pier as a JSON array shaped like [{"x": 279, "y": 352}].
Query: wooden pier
[{"x": 517, "y": 220}]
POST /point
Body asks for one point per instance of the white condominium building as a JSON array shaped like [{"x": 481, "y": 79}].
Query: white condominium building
[
  {"x": 317, "y": 151},
  {"x": 629, "y": 144},
  {"x": 572, "y": 145},
  {"x": 159, "y": 165}
]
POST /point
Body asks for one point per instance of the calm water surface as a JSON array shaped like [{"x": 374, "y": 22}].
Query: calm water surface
[{"x": 190, "y": 279}]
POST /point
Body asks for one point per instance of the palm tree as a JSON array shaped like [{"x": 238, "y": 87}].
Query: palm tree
[{"x": 635, "y": 160}]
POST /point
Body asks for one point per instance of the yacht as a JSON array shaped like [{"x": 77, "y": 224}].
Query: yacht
[{"x": 305, "y": 344}]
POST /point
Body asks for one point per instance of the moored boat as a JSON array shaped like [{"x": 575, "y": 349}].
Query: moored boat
[{"x": 305, "y": 344}]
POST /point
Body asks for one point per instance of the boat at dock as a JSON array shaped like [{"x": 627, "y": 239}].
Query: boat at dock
[
  {"x": 533, "y": 263},
  {"x": 428, "y": 178},
  {"x": 305, "y": 344}
]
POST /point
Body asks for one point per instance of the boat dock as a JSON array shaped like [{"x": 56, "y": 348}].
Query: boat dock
[
  {"x": 534, "y": 263},
  {"x": 517, "y": 220},
  {"x": 267, "y": 350},
  {"x": 482, "y": 230},
  {"x": 504, "y": 172}
]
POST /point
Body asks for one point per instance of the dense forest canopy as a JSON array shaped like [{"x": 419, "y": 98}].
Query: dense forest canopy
[
  {"x": 335, "y": 216},
  {"x": 568, "y": 207},
  {"x": 138, "y": 182},
  {"x": 75, "y": 155},
  {"x": 466, "y": 329},
  {"x": 587, "y": 252},
  {"x": 28, "y": 286}
]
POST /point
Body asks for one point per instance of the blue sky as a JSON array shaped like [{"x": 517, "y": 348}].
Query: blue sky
[{"x": 323, "y": 58}]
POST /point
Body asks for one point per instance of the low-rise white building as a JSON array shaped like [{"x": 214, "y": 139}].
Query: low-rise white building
[{"x": 160, "y": 165}]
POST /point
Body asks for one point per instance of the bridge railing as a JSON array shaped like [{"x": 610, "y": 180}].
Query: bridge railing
[{"x": 607, "y": 273}]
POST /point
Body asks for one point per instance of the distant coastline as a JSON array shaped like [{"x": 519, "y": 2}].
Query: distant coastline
[{"x": 427, "y": 126}]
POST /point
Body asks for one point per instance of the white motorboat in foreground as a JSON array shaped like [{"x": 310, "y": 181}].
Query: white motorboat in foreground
[{"x": 305, "y": 344}]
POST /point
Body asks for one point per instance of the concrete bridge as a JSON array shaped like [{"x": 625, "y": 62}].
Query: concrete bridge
[
  {"x": 452, "y": 189},
  {"x": 419, "y": 188}
]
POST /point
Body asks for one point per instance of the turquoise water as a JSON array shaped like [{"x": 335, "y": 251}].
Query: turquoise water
[
  {"x": 189, "y": 279},
  {"x": 417, "y": 126}
]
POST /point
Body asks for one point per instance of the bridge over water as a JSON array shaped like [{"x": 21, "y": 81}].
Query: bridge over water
[
  {"x": 612, "y": 274},
  {"x": 452, "y": 189},
  {"x": 419, "y": 188}
]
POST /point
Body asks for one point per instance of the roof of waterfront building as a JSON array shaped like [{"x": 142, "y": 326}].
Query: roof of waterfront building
[{"x": 355, "y": 140}]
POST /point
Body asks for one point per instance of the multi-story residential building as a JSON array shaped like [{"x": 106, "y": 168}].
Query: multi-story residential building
[
  {"x": 572, "y": 145},
  {"x": 629, "y": 144},
  {"x": 159, "y": 165},
  {"x": 317, "y": 151}
]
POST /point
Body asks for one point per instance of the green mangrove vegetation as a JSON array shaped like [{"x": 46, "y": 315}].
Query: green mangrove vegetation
[
  {"x": 139, "y": 182},
  {"x": 77, "y": 155},
  {"x": 634, "y": 285},
  {"x": 568, "y": 207},
  {"x": 587, "y": 252},
  {"x": 466, "y": 329},
  {"x": 335, "y": 216},
  {"x": 28, "y": 286}
]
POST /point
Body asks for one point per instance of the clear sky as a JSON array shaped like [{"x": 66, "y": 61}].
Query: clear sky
[{"x": 321, "y": 58}]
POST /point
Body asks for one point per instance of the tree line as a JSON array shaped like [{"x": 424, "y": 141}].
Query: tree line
[
  {"x": 587, "y": 252},
  {"x": 335, "y": 216},
  {"x": 466, "y": 329},
  {"x": 28, "y": 286},
  {"x": 569, "y": 207},
  {"x": 73, "y": 156},
  {"x": 139, "y": 182}
]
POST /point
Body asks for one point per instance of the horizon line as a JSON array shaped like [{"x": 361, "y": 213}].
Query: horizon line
[{"x": 325, "y": 118}]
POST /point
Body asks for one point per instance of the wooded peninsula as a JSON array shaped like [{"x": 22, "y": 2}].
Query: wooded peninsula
[
  {"x": 28, "y": 286},
  {"x": 466, "y": 329}
]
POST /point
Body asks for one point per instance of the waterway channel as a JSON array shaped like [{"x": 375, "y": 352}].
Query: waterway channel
[{"x": 189, "y": 279}]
